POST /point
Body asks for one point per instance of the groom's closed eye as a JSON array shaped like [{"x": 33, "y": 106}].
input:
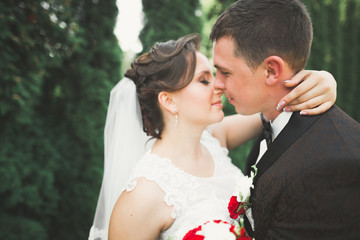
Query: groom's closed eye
[
  {"x": 225, "y": 74},
  {"x": 221, "y": 71}
]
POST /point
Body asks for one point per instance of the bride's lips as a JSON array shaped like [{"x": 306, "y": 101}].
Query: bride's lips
[{"x": 217, "y": 103}]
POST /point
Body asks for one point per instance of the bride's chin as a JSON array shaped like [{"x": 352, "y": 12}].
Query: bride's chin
[
  {"x": 221, "y": 115},
  {"x": 219, "y": 118}
]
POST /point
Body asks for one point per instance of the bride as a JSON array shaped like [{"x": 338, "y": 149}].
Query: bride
[{"x": 161, "y": 184}]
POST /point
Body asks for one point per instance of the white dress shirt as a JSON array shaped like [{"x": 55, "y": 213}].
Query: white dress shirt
[{"x": 276, "y": 126}]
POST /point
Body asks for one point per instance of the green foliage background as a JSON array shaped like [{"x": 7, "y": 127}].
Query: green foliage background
[
  {"x": 58, "y": 61},
  {"x": 165, "y": 19}
]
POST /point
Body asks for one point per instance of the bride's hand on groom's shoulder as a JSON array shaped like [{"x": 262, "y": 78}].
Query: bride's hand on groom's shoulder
[{"x": 314, "y": 93}]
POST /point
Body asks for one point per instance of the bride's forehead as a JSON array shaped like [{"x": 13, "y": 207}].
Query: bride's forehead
[{"x": 202, "y": 63}]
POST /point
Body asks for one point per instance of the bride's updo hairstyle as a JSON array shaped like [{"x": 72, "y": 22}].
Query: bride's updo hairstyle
[{"x": 168, "y": 66}]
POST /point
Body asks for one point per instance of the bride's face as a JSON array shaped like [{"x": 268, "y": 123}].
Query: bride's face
[{"x": 199, "y": 102}]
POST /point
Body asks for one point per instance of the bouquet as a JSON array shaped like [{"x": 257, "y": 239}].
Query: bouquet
[
  {"x": 217, "y": 230},
  {"x": 222, "y": 230}
]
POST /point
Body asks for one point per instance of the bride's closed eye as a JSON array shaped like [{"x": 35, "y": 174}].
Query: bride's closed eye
[{"x": 206, "y": 82}]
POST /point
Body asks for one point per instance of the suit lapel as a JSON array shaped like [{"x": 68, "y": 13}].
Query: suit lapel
[{"x": 296, "y": 127}]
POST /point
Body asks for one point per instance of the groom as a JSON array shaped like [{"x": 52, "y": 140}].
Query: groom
[{"x": 308, "y": 180}]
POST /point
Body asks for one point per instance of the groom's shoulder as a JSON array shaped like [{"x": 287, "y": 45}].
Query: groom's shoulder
[
  {"x": 335, "y": 127},
  {"x": 340, "y": 119},
  {"x": 333, "y": 121},
  {"x": 338, "y": 126}
]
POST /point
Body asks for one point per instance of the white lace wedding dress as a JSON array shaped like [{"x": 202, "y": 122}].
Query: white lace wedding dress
[{"x": 195, "y": 199}]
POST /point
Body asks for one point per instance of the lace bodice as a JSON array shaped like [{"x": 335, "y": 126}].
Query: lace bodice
[{"x": 195, "y": 199}]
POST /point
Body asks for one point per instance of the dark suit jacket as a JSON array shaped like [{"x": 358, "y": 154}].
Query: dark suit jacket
[{"x": 308, "y": 182}]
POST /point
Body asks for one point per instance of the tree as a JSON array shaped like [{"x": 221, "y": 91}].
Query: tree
[
  {"x": 165, "y": 20},
  {"x": 211, "y": 11},
  {"x": 336, "y": 48},
  {"x": 59, "y": 60}
]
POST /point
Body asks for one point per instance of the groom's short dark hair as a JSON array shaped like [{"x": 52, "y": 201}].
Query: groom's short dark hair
[{"x": 262, "y": 28}]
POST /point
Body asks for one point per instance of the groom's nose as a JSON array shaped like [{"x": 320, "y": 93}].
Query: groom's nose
[{"x": 219, "y": 83}]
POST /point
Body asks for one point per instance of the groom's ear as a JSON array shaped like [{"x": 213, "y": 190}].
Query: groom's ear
[
  {"x": 166, "y": 100},
  {"x": 274, "y": 66}
]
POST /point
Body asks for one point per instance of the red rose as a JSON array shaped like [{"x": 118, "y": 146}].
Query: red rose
[
  {"x": 232, "y": 229},
  {"x": 235, "y": 208},
  {"x": 243, "y": 235},
  {"x": 191, "y": 235}
]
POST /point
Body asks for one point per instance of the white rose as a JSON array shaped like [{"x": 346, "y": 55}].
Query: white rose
[
  {"x": 216, "y": 231},
  {"x": 243, "y": 188}
]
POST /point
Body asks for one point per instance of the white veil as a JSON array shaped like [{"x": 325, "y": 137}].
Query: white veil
[{"x": 125, "y": 143}]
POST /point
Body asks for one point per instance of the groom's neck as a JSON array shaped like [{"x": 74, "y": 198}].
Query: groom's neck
[
  {"x": 271, "y": 115},
  {"x": 275, "y": 94}
]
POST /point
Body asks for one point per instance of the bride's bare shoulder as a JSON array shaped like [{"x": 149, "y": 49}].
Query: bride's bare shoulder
[
  {"x": 144, "y": 190},
  {"x": 134, "y": 208}
]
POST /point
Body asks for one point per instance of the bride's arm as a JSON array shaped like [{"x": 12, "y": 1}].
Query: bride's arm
[
  {"x": 314, "y": 95},
  {"x": 236, "y": 129},
  {"x": 140, "y": 214}
]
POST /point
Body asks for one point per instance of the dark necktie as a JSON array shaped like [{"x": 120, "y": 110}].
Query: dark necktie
[{"x": 266, "y": 133}]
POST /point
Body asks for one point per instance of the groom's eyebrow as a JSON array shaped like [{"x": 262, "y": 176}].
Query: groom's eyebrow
[{"x": 220, "y": 68}]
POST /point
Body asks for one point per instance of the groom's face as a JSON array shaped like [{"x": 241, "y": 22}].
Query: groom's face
[{"x": 242, "y": 85}]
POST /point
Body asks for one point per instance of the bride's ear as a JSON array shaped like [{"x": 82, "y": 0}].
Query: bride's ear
[{"x": 166, "y": 101}]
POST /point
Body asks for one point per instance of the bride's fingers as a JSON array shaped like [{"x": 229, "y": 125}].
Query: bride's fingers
[
  {"x": 298, "y": 78},
  {"x": 318, "y": 83},
  {"x": 309, "y": 95},
  {"x": 307, "y": 105},
  {"x": 317, "y": 110},
  {"x": 297, "y": 92},
  {"x": 296, "y": 95}
]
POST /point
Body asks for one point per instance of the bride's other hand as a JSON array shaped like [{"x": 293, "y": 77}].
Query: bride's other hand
[{"x": 315, "y": 92}]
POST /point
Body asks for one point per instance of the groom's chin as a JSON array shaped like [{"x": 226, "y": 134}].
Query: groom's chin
[
  {"x": 244, "y": 111},
  {"x": 241, "y": 109}
]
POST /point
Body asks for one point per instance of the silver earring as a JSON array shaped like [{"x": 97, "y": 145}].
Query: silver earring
[{"x": 176, "y": 120}]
